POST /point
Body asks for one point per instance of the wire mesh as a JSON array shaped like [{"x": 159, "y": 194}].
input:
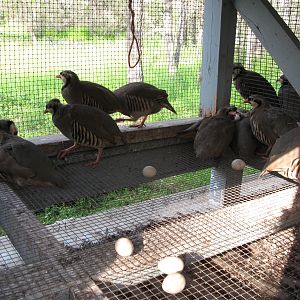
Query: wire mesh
[
  {"x": 42, "y": 38},
  {"x": 250, "y": 52},
  {"x": 168, "y": 225},
  {"x": 237, "y": 243}
]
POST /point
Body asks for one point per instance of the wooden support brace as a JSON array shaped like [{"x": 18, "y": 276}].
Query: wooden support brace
[{"x": 32, "y": 240}]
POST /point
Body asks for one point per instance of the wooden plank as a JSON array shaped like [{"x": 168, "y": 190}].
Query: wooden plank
[
  {"x": 217, "y": 55},
  {"x": 216, "y": 73},
  {"x": 45, "y": 280},
  {"x": 153, "y": 132},
  {"x": 274, "y": 34},
  {"x": 30, "y": 238},
  {"x": 93, "y": 228},
  {"x": 201, "y": 235}
]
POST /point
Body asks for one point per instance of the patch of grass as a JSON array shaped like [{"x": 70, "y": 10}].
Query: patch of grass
[
  {"x": 119, "y": 198},
  {"x": 2, "y": 232},
  {"x": 170, "y": 185}
]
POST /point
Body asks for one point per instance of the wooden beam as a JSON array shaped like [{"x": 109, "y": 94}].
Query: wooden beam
[
  {"x": 274, "y": 35},
  {"x": 154, "y": 131},
  {"x": 31, "y": 239},
  {"x": 217, "y": 60},
  {"x": 217, "y": 55},
  {"x": 221, "y": 230}
]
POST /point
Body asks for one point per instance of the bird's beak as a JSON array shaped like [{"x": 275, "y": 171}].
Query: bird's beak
[
  {"x": 58, "y": 76},
  {"x": 13, "y": 129},
  {"x": 47, "y": 110},
  {"x": 246, "y": 100},
  {"x": 169, "y": 107}
]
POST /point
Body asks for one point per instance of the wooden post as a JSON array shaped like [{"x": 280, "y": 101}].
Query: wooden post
[
  {"x": 217, "y": 60},
  {"x": 217, "y": 55}
]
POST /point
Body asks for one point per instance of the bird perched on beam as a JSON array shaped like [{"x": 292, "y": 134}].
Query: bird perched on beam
[
  {"x": 22, "y": 162},
  {"x": 76, "y": 91},
  {"x": 250, "y": 83},
  {"x": 268, "y": 123},
  {"x": 140, "y": 99},
  {"x": 85, "y": 125},
  {"x": 244, "y": 142},
  {"x": 215, "y": 134},
  {"x": 289, "y": 98},
  {"x": 285, "y": 156}
]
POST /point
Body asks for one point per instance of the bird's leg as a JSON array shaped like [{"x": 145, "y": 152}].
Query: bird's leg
[
  {"x": 63, "y": 153},
  {"x": 142, "y": 124},
  {"x": 95, "y": 163},
  {"x": 265, "y": 155},
  {"x": 124, "y": 119}
]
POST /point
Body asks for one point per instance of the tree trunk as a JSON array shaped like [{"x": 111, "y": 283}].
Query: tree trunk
[
  {"x": 136, "y": 73},
  {"x": 194, "y": 28},
  {"x": 168, "y": 26},
  {"x": 181, "y": 33}
]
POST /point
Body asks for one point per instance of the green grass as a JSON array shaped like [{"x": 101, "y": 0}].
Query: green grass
[
  {"x": 27, "y": 80},
  {"x": 87, "y": 206},
  {"x": 26, "y": 87},
  {"x": 2, "y": 232},
  {"x": 126, "y": 196}
]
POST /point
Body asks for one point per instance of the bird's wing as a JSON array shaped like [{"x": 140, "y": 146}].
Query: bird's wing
[
  {"x": 96, "y": 121},
  {"x": 96, "y": 95},
  {"x": 10, "y": 167},
  {"x": 258, "y": 84},
  {"x": 280, "y": 121},
  {"x": 265, "y": 124},
  {"x": 141, "y": 89},
  {"x": 213, "y": 137}
]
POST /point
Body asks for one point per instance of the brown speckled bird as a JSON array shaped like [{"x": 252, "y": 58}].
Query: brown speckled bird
[
  {"x": 215, "y": 134},
  {"x": 76, "y": 91},
  {"x": 285, "y": 156},
  {"x": 250, "y": 83},
  {"x": 268, "y": 123},
  {"x": 22, "y": 162},
  {"x": 289, "y": 98},
  {"x": 140, "y": 99},
  {"x": 85, "y": 125},
  {"x": 244, "y": 143}
]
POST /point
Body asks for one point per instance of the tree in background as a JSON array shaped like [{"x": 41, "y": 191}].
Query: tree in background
[{"x": 182, "y": 22}]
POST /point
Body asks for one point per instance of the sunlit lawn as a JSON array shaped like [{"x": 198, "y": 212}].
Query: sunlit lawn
[
  {"x": 27, "y": 80},
  {"x": 28, "y": 77}
]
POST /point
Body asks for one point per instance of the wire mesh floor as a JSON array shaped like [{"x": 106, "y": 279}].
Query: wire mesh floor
[
  {"x": 265, "y": 269},
  {"x": 230, "y": 247}
]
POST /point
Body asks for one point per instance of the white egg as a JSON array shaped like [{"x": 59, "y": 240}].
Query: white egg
[
  {"x": 174, "y": 283},
  {"x": 149, "y": 171},
  {"x": 124, "y": 246},
  {"x": 170, "y": 265},
  {"x": 238, "y": 164}
]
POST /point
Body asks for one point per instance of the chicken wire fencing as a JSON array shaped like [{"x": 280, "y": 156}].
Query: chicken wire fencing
[
  {"x": 40, "y": 39},
  {"x": 240, "y": 246},
  {"x": 253, "y": 56},
  {"x": 241, "y": 242}
]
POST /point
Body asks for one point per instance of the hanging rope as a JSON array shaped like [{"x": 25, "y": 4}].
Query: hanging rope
[{"x": 134, "y": 39}]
